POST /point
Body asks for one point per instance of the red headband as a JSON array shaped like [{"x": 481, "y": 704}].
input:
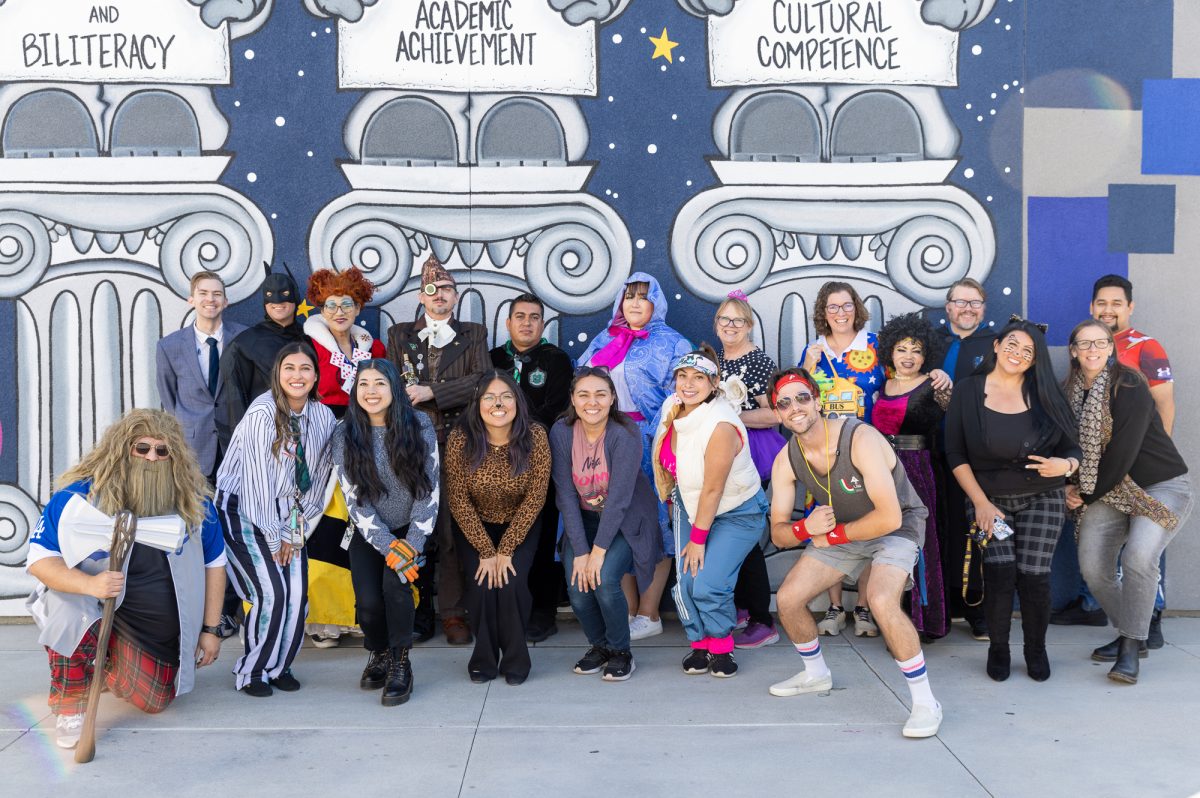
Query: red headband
[{"x": 788, "y": 379}]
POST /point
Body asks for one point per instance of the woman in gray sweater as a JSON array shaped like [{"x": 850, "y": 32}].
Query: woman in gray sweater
[
  {"x": 610, "y": 517},
  {"x": 385, "y": 458}
]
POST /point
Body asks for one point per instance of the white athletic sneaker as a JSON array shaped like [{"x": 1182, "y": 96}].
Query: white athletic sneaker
[
  {"x": 924, "y": 721},
  {"x": 802, "y": 683},
  {"x": 69, "y": 728},
  {"x": 642, "y": 627},
  {"x": 833, "y": 623}
]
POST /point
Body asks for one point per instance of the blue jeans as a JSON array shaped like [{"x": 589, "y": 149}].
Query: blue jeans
[
  {"x": 705, "y": 601},
  {"x": 603, "y": 613}
]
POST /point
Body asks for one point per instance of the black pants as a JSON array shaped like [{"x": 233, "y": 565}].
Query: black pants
[
  {"x": 546, "y": 581},
  {"x": 383, "y": 604},
  {"x": 753, "y": 589},
  {"x": 497, "y": 615},
  {"x": 952, "y": 535}
]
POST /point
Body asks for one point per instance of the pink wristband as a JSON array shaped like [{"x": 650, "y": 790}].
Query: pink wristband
[
  {"x": 801, "y": 531},
  {"x": 837, "y": 535},
  {"x": 699, "y": 536}
]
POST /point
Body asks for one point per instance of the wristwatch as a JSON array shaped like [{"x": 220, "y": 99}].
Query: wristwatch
[
  {"x": 1072, "y": 466},
  {"x": 212, "y": 630}
]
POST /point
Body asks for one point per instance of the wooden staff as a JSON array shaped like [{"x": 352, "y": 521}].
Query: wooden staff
[{"x": 124, "y": 530}]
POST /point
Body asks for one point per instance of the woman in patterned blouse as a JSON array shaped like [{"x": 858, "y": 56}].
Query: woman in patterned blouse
[{"x": 497, "y": 470}]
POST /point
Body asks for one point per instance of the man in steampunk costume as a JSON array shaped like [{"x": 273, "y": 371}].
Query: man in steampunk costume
[{"x": 441, "y": 359}]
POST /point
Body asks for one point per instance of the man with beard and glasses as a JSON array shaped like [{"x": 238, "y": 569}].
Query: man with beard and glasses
[
  {"x": 867, "y": 513},
  {"x": 169, "y": 603}
]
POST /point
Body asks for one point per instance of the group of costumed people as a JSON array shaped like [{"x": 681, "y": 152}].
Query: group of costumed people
[{"x": 345, "y": 484}]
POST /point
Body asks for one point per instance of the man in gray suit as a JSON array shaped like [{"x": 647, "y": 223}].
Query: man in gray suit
[{"x": 189, "y": 384}]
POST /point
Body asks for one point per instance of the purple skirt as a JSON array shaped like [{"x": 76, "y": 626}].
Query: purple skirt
[{"x": 764, "y": 445}]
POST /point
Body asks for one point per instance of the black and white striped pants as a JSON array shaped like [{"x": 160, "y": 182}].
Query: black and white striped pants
[{"x": 278, "y": 597}]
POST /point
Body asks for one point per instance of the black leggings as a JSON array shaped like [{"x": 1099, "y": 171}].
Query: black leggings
[{"x": 383, "y": 604}]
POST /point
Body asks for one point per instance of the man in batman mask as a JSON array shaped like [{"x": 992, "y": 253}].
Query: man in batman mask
[{"x": 247, "y": 360}]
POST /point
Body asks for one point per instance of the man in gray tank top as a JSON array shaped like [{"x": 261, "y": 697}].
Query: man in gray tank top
[{"x": 867, "y": 512}]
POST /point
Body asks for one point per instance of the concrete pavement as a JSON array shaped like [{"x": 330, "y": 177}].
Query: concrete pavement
[{"x": 659, "y": 734}]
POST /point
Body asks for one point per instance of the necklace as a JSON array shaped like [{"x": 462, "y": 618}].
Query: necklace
[{"x": 828, "y": 474}]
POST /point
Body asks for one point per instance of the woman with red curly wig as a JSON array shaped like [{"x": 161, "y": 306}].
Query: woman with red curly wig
[{"x": 341, "y": 345}]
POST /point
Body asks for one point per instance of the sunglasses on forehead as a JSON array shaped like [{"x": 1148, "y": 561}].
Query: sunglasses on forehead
[{"x": 143, "y": 449}]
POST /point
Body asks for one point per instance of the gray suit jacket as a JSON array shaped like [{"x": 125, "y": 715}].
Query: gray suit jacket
[{"x": 184, "y": 392}]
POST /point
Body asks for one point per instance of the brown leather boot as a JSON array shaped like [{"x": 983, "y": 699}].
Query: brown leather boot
[{"x": 457, "y": 631}]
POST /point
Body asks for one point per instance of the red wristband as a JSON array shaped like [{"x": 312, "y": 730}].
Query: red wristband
[
  {"x": 699, "y": 535},
  {"x": 837, "y": 535},
  {"x": 800, "y": 531}
]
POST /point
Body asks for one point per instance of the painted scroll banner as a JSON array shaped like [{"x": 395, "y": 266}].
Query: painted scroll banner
[
  {"x": 132, "y": 41},
  {"x": 765, "y": 42},
  {"x": 467, "y": 45}
]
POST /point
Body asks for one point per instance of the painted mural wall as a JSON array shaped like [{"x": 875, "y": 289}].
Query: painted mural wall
[{"x": 557, "y": 146}]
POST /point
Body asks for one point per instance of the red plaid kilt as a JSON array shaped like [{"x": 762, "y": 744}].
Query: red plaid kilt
[{"x": 130, "y": 673}]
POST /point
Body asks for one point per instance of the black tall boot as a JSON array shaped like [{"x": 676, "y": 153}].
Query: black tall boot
[
  {"x": 399, "y": 685},
  {"x": 1126, "y": 668},
  {"x": 999, "y": 583},
  {"x": 1034, "y": 593}
]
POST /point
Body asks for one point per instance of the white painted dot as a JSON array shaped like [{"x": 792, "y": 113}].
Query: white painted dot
[
  {"x": 641, "y": 243},
  {"x": 991, "y": 324},
  {"x": 967, "y": 106},
  {"x": 610, "y": 98},
  {"x": 314, "y": 34},
  {"x": 274, "y": 216},
  {"x": 1007, "y": 290},
  {"x": 616, "y": 39},
  {"x": 689, "y": 182},
  {"x": 251, "y": 177},
  {"x": 679, "y": 296},
  {"x": 996, "y": 20},
  {"x": 1007, "y": 169},
  {"x": 674, "y": 117},
  {"x": 993, "y": 95},
  {"x": 1016, "y": 83},
  {"x": 1008, "y": 27},
  {"x": 989, "y": 197},
  {"x": 643, "y": 30},
  {"x": 942, "y": 321},
  {"x": 328, "y": 30},
  {"x": 662, "y": 68},
  {"x": 992, "y": 112},
  {"x": 249, "y": 55},
  {"x": 652, "y": 148},
  {"x": 968, "y": 173},
  {"x": 979, "y": 119},
  {"x": 616, "y": 195},
  {"x": 612, "y": 145},
  {"x": 310, "y": 153},
  {"x": 976, "y": 50},
  {"x": 608, "y": 192},
  {"x": 300, "y": 73},
  {"x": 1006, "y": 87},
  {"x": 1022, "y": 90},
  {"x": 280, "y": 121},
  {"x": 237, "y": 103},
  {"x": 682, "y": 58},
  {"x": 570, "y": 343},
  {"x": 582, "y": 337}
]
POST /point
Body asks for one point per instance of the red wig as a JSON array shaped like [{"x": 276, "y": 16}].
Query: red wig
[{"x": 325, "y": 283}]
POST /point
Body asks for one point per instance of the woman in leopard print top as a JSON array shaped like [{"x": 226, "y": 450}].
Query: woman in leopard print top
[{"x": 497, "y": 469}]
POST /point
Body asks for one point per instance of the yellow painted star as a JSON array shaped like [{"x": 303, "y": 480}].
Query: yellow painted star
[
  {"x": 663, "y": 47},
  {"x": 305, "y": 308}
]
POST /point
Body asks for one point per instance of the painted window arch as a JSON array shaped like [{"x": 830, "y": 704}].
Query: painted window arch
[
  {"x": 49, "y": 123},
  {"x": 775, "y": 126},
  {"x": 155, "y": 123},
  {"x": 410, "y": 131},
  {"x": 521, "y": 131},
  {"x": 876, "y": 126}
]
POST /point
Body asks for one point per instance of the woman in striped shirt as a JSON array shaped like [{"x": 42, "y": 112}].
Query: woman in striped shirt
[{"x": 270, "y": 488}]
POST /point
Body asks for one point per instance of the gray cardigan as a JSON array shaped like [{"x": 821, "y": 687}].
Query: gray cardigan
[{"x": 631, "y": 507}]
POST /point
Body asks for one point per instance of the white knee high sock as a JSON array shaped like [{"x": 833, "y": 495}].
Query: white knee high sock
[{"x": 814, "y": 660}]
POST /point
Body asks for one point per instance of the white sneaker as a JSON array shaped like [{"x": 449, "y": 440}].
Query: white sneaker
[
  {"x": 833, "y": 623},
  {"x": 321, "y": 641},
  {"x": 69, "y": 727},
  {"x": 642, "y": 627},
  {"x": 924, "y": 721},
  {"x": 802, "y": 683},
  {"x": 864, "y": 623}
]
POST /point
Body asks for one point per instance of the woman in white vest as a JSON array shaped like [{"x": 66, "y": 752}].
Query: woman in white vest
[{"x": 702, "y": 465}]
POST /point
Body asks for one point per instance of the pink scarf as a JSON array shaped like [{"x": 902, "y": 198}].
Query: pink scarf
[{"x": 613, "y": 353}]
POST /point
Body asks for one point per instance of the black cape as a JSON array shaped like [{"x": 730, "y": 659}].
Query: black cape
[{"x": 246, "y": 370}]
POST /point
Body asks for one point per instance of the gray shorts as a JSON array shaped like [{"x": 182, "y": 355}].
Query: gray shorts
[{"x": 851, "y": 558}]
